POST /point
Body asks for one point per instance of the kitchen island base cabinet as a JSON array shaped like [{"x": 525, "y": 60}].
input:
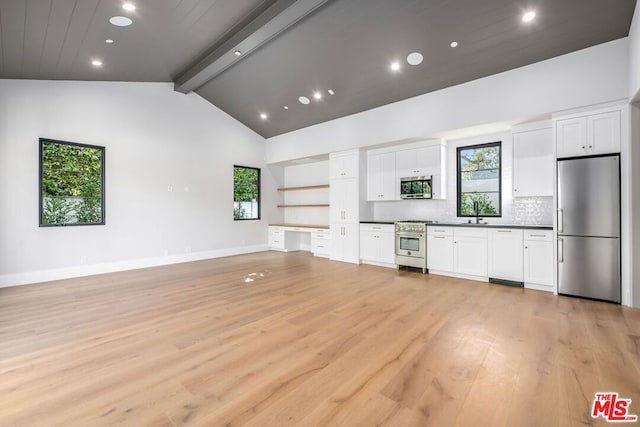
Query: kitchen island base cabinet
[
  {"x": 538, "y": 260},
  {"x": 377, "y": 244}
]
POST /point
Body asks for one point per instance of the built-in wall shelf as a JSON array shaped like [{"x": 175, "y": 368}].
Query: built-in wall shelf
[
  {"x": 305, "y": 206},
  {"x": 306, "y": 187}
]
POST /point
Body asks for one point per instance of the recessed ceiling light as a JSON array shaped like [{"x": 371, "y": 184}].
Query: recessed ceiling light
[
  {"x": 331, "y": 92},
  {"x": 317, "y": 95},
  {"x": 415, "y": 58},
  {"x": 129, "y": 6},
  {"x": 454, "y": 44},
  {"x": 237, "y": 53},
  {"x": 120, "y": 21},
  {"x": 529, "y": 16},
  {"x": 263, "y": 116},
  {"x": 395, "y": 66},
  {"x": 286, "y": 107},
  {"x": 304, "y": 100},
  {"x": 96, "y": 63},
  {"x": 108, "y": 41}
]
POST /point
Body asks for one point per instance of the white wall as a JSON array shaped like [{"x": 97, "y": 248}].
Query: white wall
[
  {"x": 590, "y": 76},
  {"x": 635, "y": 204},
  {"x": 521, "y": 210},
  {"x": 634, "y": 56},
  {"x": 154, "y": 138},
  {"x": 316, "y": 173}
]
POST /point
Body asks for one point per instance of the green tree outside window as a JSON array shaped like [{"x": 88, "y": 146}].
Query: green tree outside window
[{"x": 71, "y": 183}]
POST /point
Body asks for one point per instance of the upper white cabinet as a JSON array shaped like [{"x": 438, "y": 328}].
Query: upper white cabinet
[
  {"x": 381, "y": 173},
  {"x": 533, "y": 160},
  {"x": 506, "y": 254},
  {"x": 343, "y": 165},
  {"x": 589, "y": 134},
  {"x": 386, "y": 166}
]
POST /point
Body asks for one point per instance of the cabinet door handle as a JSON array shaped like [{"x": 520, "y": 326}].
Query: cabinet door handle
[
  {"x": 438, "y": 237},
  {"x": 583, "y": 147},
  {"x": 526, "y": 247},
  {"x": 591, "y": 146},
  {"x": 504, "y": 231},
  {"x": 537, "y": 235}
]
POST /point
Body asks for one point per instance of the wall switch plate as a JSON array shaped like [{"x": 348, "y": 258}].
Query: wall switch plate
[{"x": 186, "y": 189}]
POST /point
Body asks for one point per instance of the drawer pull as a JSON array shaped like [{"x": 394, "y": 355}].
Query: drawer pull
[
  {"x": 439, "y": 231},
  {"x": 537, "y": 235},
  {"x": 504, "y": 231},
  {"x": 439, "y": 237}
]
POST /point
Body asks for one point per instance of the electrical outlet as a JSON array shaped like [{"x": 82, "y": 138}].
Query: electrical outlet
[
  {"x": 83, "y": 259},
  {"x": 186, "y": 189},
  {"x": 170, "y": 188}
]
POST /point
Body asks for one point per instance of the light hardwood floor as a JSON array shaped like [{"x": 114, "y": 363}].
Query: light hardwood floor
[{"x": 274, "y": 339}]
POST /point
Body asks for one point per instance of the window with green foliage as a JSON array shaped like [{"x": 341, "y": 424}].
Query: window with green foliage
[
  {"x": 246, "y": 193},
  {"x": 71, "y": 183},
  {"x": 479, "y": 180}
]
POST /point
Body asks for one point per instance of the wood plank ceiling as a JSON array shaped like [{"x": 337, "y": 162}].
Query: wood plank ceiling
[{"x": 345, "y": 45}]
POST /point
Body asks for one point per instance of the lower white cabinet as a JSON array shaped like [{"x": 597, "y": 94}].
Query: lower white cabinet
[
  {"x": 320, "y": 243},
  {"x": 538, "y": 259},
  {"x": 345, "y": 243},
  {"x": 440, "y": 248},
  {"x": 377, "y": 244},
  {"x": 459, "y": 250},
  {"x": 506, "y": 254},
  {"x": 470, "y": 251}
]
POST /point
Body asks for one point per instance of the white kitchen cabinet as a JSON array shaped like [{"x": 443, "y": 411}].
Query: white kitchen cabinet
[
  {"x": 381, "y": 173},
  {"x": 321, "y": 243},
  {"x": 506, "y": 254},
  {"x": 343, "y": 201},
  {"x": 344, "y": 206},
  {"x": 345, "y": 243},
  {"x": 470, "y": 251},
  {"x": 589, "y": 134},
  {"x": 533, "y": 162},
  {"x": 377, "y": 244},
  {"x": 430, "y": 160},
  {"x": 440, "y": 252},
  {"x": 344, "y": 165},
  {"x": 538, "y": 259}
]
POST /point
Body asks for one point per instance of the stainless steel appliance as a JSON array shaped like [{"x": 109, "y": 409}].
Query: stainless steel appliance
[
  {"x": 589, "y": 227},
  {"x": 415, "y": 187},
  {"x": 411, "y": 244}
]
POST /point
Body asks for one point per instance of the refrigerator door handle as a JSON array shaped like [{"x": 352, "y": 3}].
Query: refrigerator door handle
[
  {"x": 560, "y": 220},
  {"x": 560, "y": 250}
]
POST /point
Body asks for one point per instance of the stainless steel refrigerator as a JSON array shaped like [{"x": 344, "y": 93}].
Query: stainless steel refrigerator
[{"x": 589, "y": 227}]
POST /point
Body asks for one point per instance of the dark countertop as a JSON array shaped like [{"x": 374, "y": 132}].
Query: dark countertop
[
  {"x": 377, "y": 222},
  {"x": 461, "y": 224},
  {"x": 518, "y": 226}
]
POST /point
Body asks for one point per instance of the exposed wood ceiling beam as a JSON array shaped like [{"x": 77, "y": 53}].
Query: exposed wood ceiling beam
[{"x": 280, "y": 16}]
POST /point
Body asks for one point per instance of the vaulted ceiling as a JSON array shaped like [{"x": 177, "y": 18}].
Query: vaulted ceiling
[{"x": 253, "y": 58}]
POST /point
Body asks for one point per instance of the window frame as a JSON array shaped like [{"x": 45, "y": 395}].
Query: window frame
[
  {"x": 42, "y": 141},
  {"x": 459, "y": 178},
  {"x": 258, "y": 199}
]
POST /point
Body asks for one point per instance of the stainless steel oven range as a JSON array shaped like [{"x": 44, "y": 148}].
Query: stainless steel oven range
[{"x": 411, "y": 244}]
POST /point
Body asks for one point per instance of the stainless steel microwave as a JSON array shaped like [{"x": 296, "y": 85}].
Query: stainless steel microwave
[{"x": 415, "y": 187}]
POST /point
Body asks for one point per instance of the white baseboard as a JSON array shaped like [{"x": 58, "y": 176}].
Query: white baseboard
[
  {"x": 29, "y": 277},
  {"x": 378, "y": 264},
  {"x": 547, "y": 288}
]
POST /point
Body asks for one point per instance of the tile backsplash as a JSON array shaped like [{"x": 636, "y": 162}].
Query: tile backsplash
[{"x": 522, "y": 211}]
